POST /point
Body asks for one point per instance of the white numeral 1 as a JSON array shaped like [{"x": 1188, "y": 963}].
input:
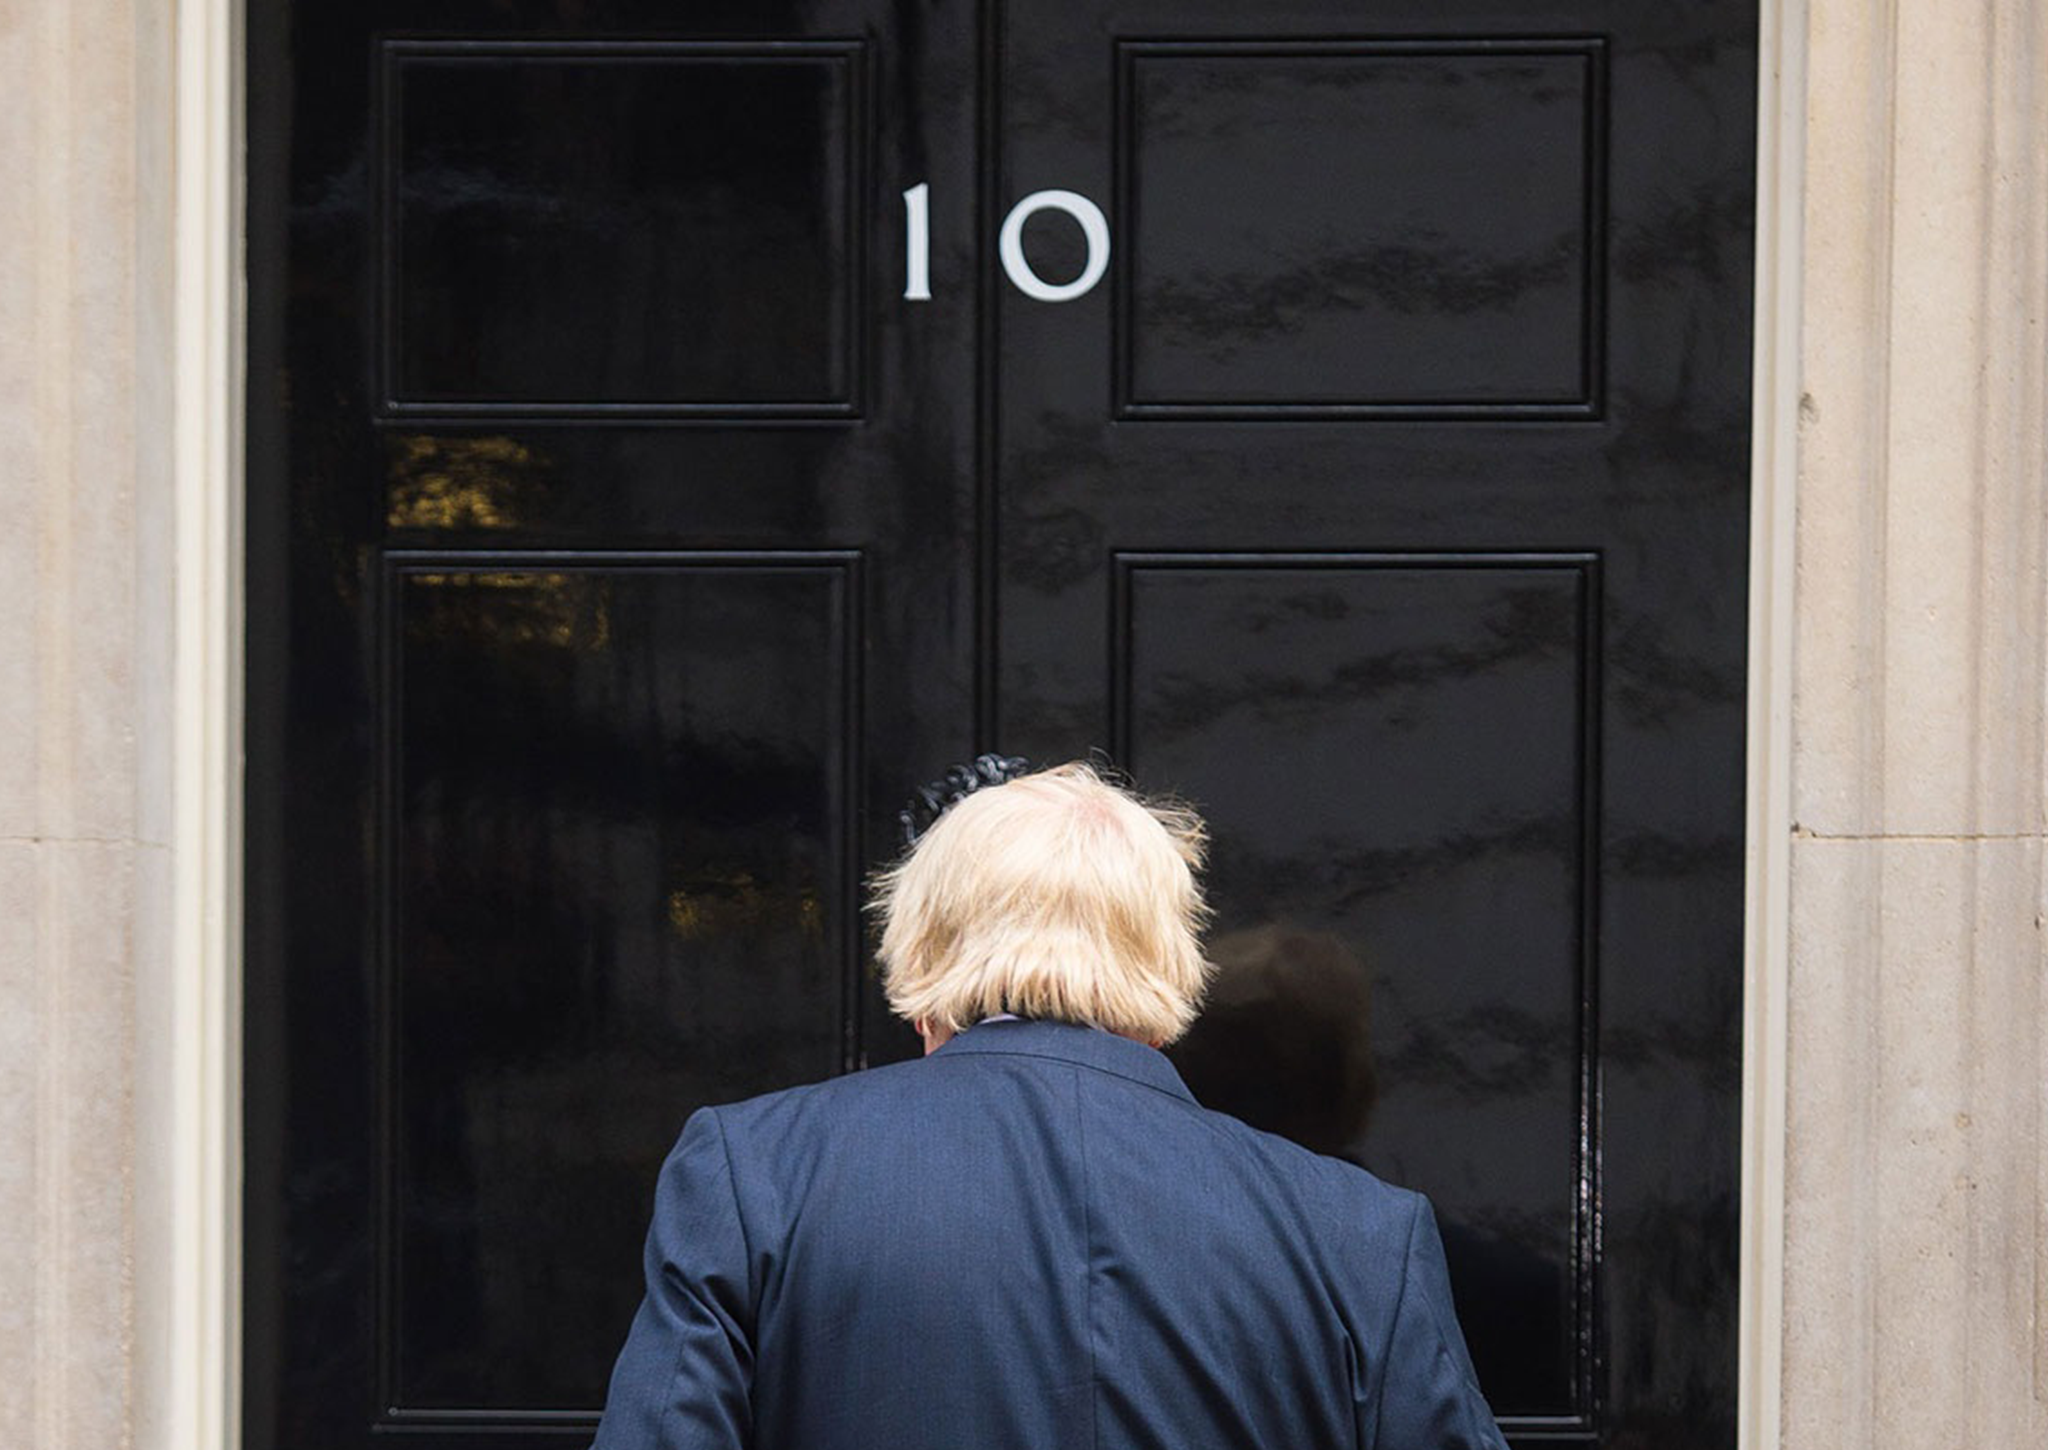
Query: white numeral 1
[{"x": 917, "y": 265}]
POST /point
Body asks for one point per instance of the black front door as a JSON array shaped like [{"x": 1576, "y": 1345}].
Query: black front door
[{"x": 676, "y": 432}]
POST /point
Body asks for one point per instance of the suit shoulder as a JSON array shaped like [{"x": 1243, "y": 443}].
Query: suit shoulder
[
  {"x": 787, "y": 1106},
  {"x": 1336, "y": 1190},
  {"x": 1290, "y": 1158}
]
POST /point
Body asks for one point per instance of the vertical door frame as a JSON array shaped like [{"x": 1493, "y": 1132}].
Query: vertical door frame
[
  {"x": 193, "y": 1302},
  {"x": 1767, "y": 885},
  {"x": 198, "y": 1190}
]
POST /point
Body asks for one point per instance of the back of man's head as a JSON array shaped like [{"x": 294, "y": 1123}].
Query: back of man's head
[{"x": 1056, "y": 896}]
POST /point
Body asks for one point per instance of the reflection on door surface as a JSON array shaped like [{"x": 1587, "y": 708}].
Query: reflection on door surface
[{"x": 677, "y": 433}]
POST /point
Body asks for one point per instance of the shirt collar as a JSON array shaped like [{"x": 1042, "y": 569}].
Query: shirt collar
[{"x": 1066, "y": 1042}]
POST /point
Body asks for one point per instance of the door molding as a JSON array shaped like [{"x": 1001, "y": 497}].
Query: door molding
[
  {"x": 192, "y": 1302},
  {"x": 1767, "y": 884}
]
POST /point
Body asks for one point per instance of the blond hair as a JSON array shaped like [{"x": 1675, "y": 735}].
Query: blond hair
[{"x": 1057, "y": 895}]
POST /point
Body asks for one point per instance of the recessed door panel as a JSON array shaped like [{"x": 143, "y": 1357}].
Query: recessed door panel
[
  {"x": 622, "y": 226},
  {"x": 1387, "y": 228},
  {"x": 619, "y": 823},
  {"x": 1395, "y": 754}
]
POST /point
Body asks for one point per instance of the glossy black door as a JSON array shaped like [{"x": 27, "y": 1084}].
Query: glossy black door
[{"x": 625, "y": 544}]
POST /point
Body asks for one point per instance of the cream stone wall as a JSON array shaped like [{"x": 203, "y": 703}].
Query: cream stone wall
[
  {"x": 84, "y": 657},
  {"x": 1915, "y": 1246},
  {"x": 1896, "y": 1139}
]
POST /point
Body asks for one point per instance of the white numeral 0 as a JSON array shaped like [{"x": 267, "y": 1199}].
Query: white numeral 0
[
  {"x": 917, "y": 282},
  {"x": 1094, "y": 226}
]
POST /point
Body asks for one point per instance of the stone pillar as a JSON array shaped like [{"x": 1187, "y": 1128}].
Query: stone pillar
[
  {"x": 85, "y": 655},
  {"x": 1916, "y": 1161}
]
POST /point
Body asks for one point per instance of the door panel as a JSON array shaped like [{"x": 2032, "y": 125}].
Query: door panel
[
  {"x": 1360, "y": 228},
  {"x": 625, "y": 546},
  {"x": 612, "y": 226},
  {"x": 1393, "y": 753},
  {"x": 1393, "y": 502},
  {"x": 662, "y": 743},
  {"x": 603, "y": 600}
]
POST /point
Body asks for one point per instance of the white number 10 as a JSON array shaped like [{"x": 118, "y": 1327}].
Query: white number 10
[{"x": 917, "y": 281}]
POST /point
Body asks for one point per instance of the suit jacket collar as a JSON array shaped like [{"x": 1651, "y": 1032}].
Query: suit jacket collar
[{"x": 1065, "y": 1042}]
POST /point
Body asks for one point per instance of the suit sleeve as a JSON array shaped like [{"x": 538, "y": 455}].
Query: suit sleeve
[
  {"x": 685, "y": 1376},
  {"x": 1429, "y": 1395}
]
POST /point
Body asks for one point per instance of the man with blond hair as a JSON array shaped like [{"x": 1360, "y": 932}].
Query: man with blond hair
[{"x": 1035, "y": 1238}]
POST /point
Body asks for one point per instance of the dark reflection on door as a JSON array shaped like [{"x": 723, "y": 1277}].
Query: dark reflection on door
[
  {"x": 1391, "y": 751},
  {"x": 1287, "y": 1044}
]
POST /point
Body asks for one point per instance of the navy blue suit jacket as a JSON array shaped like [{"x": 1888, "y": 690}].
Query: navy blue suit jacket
[{"x": 1033, "y": 1238}]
